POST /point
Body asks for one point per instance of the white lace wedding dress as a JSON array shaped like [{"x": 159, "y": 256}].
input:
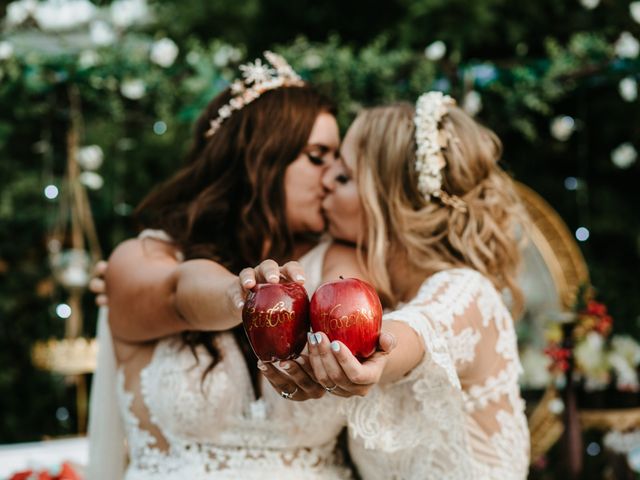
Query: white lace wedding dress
[
  {"x": 180, "y": 427},
  {"x": 458, "y": 414}
]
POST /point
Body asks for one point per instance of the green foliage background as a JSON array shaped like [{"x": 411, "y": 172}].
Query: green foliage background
[{"x": 530, "y": 62}]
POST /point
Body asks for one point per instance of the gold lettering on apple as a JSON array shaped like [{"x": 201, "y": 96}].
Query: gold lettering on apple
[
  {"x": 331, "y": 321},
  {"x": 273, "y": 317}
]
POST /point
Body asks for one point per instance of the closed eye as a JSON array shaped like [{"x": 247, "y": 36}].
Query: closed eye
[
  {"x": 319, "y": 161},
  {"x": 342, "y": 178}
]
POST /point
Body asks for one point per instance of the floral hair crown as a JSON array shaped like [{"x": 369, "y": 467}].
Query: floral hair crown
[
  {"x": 430, "y": 140},
  {"x": 257, "y": 79}
]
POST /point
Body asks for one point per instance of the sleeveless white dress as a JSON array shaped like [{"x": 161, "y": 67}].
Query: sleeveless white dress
[{"x": 216, "y": 429}]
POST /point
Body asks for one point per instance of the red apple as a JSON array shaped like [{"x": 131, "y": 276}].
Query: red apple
[
  {"x": 349, "y": 311},
  {"x": 276, "y": 320}
]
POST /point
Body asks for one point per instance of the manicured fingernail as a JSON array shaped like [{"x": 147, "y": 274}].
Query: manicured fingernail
[
  {"x": 335, "y": 346},
  {"x": 246, "y": 282},
  {"x": 285, "y": 365},
  {"x": 312, "y": 339},
  {"x": 273, "y": 278},
  {"x": 299, "y": 278},
  {"x": 318, "y": 338},
  {"x": 300, "y": 360},
  {"x": 262, "y": 366},
  {"x": 240, "y": 304}
]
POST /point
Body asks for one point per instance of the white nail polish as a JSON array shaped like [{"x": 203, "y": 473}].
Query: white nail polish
[
  {"x": 262, "y": 366},
  {"x": 299, "y": 278},
  {"x": 246, "y": 282},
  {"x": 318, "y": 338},
  {"x": 335, "y": 346},
  {"x": 240, "y": 304},
  {"x": 284, "y": 366},
  {"x": 312, "y": 339}
]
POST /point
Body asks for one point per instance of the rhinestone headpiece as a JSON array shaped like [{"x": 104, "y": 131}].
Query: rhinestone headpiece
[
  {"x": 257, "y": 78},
  {"x": 430, "y": 140}
]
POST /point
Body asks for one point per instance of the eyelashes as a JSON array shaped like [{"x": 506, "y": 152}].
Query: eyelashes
[
  {"x": 319, "y": 161},
  {"x": 342, "y": 178}
]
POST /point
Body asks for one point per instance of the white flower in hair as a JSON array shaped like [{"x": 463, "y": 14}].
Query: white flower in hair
[
  {"x": 257, "y": 72},
  {"x": 430, "y": 108}
]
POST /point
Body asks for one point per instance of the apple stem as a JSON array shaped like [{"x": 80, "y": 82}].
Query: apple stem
[{"x": 341, "y": 277}]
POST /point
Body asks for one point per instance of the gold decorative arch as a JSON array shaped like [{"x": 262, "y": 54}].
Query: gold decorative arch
[{"x": 555, "y": 243}]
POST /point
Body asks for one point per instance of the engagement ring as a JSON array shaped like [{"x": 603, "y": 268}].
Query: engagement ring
[
  {"x": 288, "y": 395},
  {"x": 331, "y": 389}
]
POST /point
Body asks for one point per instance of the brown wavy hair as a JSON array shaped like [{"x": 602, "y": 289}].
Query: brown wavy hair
[
  {"x": 227, "y": 202},
  {"x": 429, "y": 235}
]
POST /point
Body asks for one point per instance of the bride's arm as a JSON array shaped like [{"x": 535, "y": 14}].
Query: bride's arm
[{"x": 152, "y": 295}]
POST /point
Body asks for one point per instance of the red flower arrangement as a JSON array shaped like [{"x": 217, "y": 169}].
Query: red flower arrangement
[{"x": 66, "y": 473}]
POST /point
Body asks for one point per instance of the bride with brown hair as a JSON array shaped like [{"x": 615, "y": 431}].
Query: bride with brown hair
[{"x": 187, "y": 388}]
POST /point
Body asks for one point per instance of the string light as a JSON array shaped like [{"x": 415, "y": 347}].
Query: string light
[
  {"x": 582, "y": 234},
  {"x": 51, "y": 192},
  {"x": 159, "y": 128},
  {"x": 63, "y": 310},
  {"x": 571, "y": 183},
  {"x": 593, "y": 449}
]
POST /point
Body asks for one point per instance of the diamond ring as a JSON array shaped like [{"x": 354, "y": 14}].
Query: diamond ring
[{"x": 288, "y": 395}]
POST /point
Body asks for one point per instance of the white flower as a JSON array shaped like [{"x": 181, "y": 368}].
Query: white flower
[
  {"x": 18, "y": 12},
  {"x": 535, "y": 365},
  {"x": 125, "y": 13},
  {"x": 628, "y": 88},
  {"x": 589, "y": 353},
  {"x": 430, "y": 108},
  {"x": 592, "y": 361},
  {"x": 627, "y": 46},
  {"x": 221, "y": 57},
  {"x": 164, "y": 52},
  {"x": 193, "y": 58},
  {"x": 91, "y": 180},
  {"x": 88, "y": 58},
  {"x": 624, "y": 155},
  {"x": 63, "y": 15},
  {"x": 472, "y": 103},
  {"x": 235, "y": 54},
  {"x": 6, "y": 50},
  {"x": 133, "y": 89},
  {"x": 562, "y": 127},
  {"x": 634, "y": 9},
  {"x": 436, "y": 50},
  {"x": 626, "y": 376},
  {"x": 101, "y": 33},
  {"x": 590, "y": 4},
  {"x": 622, "y": 442},
  {"x": 312, "y": 61},
  {"x": 90, "y": 157},
  {"x": 627, "y": 347},
  {"x": 257, "y": 72}
]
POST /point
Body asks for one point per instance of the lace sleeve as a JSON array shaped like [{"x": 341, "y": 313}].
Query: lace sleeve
[{"x": 463, "y": 396}]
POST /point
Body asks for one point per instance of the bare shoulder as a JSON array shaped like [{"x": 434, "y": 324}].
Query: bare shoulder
[
  {"x": 342, "y": 260},
  {"x": 139, "y": 262},
  {"x": 148, "y": 249}
]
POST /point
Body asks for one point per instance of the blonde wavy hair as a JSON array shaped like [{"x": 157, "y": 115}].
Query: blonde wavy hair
[{"x": 429, "y": 235}]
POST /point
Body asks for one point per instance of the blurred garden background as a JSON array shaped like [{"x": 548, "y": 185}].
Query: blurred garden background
[{"x": 97, "y": 100}]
